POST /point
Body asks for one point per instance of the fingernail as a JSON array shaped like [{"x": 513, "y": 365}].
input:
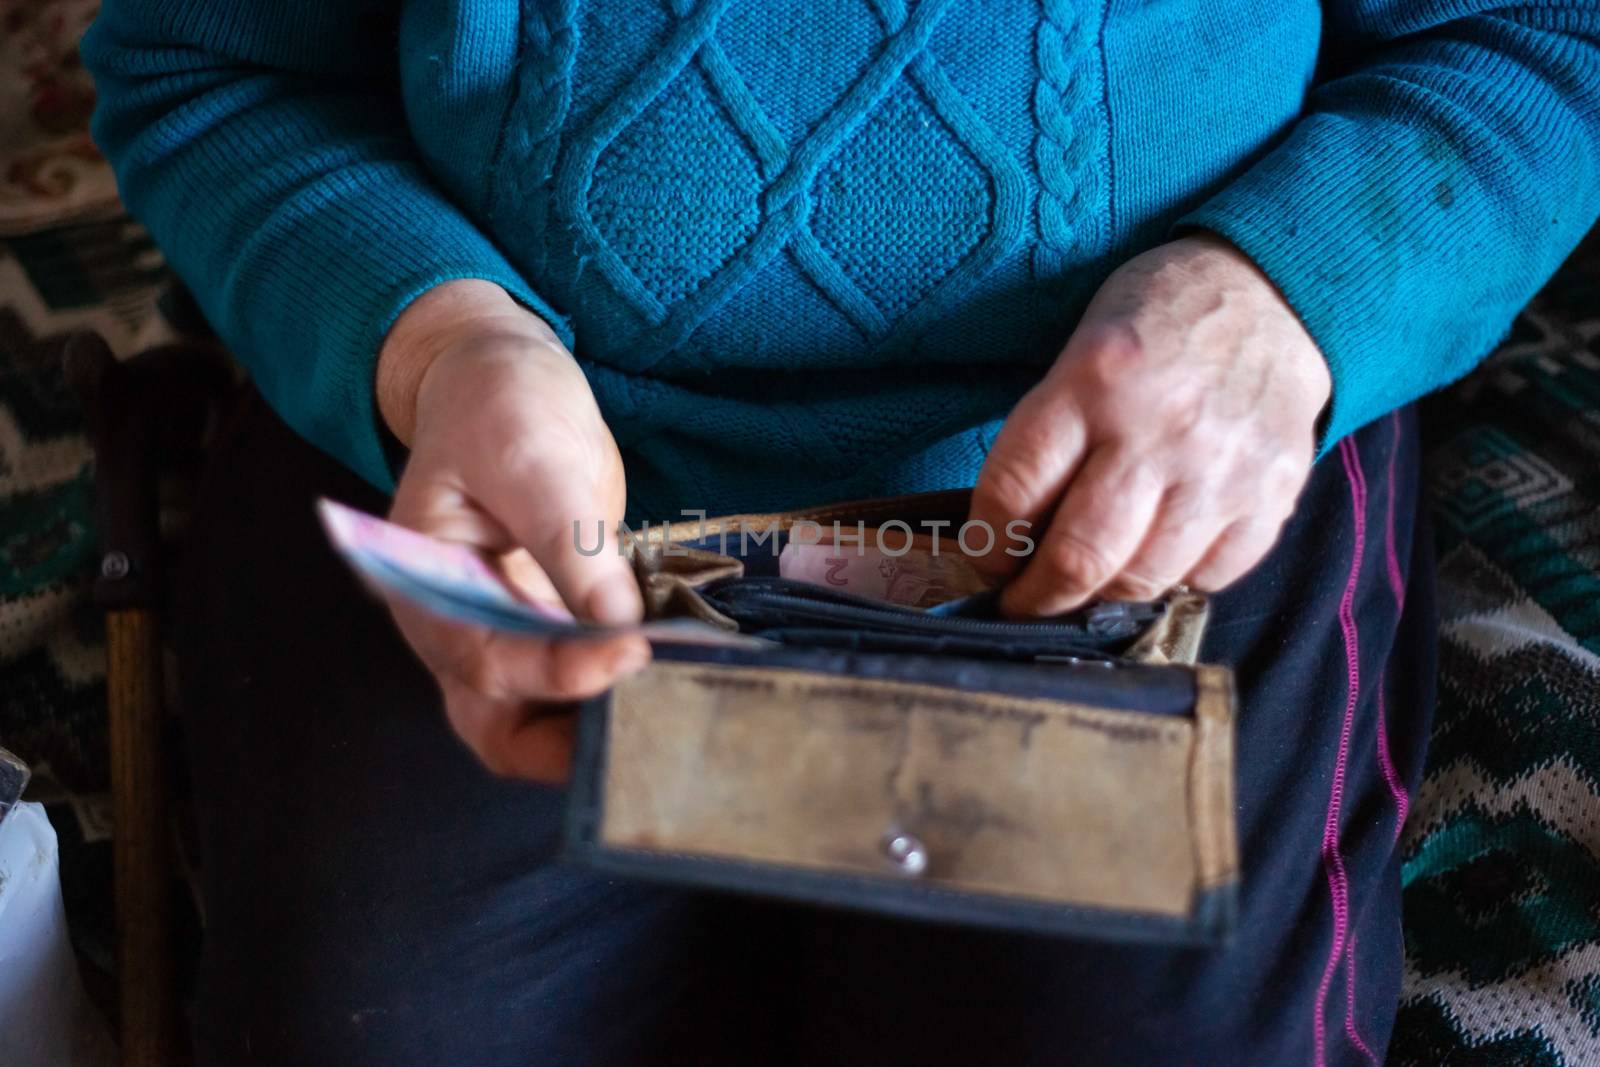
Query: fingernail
[{"x": 615, "y": 604}]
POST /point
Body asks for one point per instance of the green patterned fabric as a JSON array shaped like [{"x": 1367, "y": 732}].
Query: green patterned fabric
[
  {"x": 70, "y": 259},
  {"x": 106, "y": 276},
  {"x": 1502, "y": 873}
]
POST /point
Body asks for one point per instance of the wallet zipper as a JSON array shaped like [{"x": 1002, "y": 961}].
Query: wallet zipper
[{"x": 1112, "y": 621}]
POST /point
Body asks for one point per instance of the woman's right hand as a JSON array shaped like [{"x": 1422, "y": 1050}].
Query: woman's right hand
[{"x": 508, "y": 451}]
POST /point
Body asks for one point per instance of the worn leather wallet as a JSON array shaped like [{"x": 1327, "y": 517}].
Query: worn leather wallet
[{"x": 1067, "y": 776}]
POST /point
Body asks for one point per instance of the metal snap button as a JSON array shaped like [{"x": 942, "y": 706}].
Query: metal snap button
[
  {"x": 906, "y": 852},
  {"x": 115, "y": 565}
]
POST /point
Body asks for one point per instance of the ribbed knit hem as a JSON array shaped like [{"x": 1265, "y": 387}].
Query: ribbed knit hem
[
  {"x": 1355, "y": 264},
  {"x": 399, "y": 242},
  {"x": 1269, "y": 223}
]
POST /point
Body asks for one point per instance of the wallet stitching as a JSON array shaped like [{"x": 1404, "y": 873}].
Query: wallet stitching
[{"x": 957, "y": 701}]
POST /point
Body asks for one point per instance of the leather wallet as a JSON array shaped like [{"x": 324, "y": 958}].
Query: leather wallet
[{"x": 1067, "y": 776}]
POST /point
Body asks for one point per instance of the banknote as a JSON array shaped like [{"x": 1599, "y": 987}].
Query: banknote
[
  {"x": 916, "y": 572},
  {"x": 455, "y": 581}
]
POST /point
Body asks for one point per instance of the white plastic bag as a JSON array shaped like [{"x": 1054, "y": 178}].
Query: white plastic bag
[{"x": 45, "y": 1021}]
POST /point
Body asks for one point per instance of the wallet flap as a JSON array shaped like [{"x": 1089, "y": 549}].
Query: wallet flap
[{"x": 1039, "y": 801}]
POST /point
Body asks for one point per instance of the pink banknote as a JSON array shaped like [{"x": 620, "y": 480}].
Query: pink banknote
[
  {"x": 914, "y": 575},
  {"x": 456, "y": 582}
]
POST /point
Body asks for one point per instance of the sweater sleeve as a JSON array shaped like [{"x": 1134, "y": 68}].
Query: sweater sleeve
[
  {"x": 263, "y": 144},
  {"x": 1446, "y": 163}
]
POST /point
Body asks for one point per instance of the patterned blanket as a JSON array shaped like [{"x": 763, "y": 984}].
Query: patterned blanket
[
  {"x": 1502, "y": 874},
  {"x": 1502, "y": 847},
  {"x": 70, "y": 259}
]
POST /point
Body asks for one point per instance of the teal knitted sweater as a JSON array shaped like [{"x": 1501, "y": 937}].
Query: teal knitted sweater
[{"x": 813, "y": 249}]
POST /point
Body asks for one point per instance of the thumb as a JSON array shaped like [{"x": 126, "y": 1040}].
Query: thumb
[
  {"x": 571, "y": 532},
  {"x": 515, "y": 429}
]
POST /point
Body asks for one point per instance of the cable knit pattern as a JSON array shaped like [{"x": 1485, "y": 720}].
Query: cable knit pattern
[
  {"x": 683, "y": 268},
  {"x": 1071, "y": 149},
  {"x": 532, "y": 130},
  {"x": 813, "y": 249}
]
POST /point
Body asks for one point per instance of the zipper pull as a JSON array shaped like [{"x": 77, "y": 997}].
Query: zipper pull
[{"x": 1120, "y": 618}]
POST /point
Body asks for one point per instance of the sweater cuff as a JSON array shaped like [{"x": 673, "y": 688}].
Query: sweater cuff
[
  {"x": 396, "y": 247},
  {"x": 1356, "y": 233}
]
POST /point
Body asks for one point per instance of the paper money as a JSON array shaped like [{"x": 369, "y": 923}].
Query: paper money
[
  {"x": 456, "y": 582},
  {"x": 920, "y": 576}
]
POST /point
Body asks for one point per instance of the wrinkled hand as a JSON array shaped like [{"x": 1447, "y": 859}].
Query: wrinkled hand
[
  {"x": 508, "y": 449},
  {"x": 1167, "y": 444}
]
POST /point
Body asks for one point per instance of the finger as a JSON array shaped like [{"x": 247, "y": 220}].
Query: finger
[
  {"x": 1033, "y": 459},
  {"x": 513, "y": 668},
  {"x": 515, "y": 740},
  {"x": 524, "y": 669},
  {"x": 541, "y": 747},
  {"x": 440, "y": 508},
  {"x": 570, "y": 531},
  {"x": 525, "y": 575},
  {"x": 1236, "y": 553},
  {"x": 1187, "y": 523},
  {"x": 1101, "y": 522},
  {"x": 436, "y": 504}
]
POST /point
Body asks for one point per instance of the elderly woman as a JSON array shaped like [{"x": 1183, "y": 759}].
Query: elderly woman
[{"x": 1157, "y": 278}]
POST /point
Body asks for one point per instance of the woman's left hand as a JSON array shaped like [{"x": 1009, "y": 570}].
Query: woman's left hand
[{"x": 1169, "y": 441}]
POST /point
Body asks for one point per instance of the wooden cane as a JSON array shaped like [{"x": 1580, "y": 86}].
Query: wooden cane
[
  {"x": 128, "y": 588},
  {"x": 143, "y": 846}
]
